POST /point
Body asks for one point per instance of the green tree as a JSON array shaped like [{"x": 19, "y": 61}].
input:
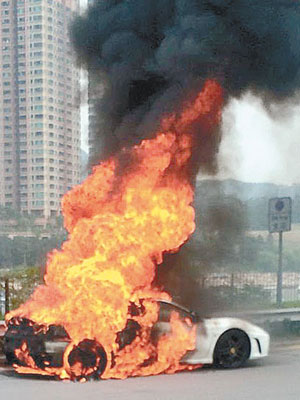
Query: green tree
[
  {"x": 22, "y": 282},
  {"x": 6, "y": 252}
]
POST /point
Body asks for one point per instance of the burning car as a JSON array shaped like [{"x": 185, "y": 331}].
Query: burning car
[
  {"x": 224, "y": 342},
  {"x": 97, "y": 314}
]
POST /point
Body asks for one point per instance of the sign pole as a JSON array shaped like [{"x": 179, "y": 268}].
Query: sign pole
[
  {"x": 280, "y": 220},
  {"x": 279, "y": 273}
]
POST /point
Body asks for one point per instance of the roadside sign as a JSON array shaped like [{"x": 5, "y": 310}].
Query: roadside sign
[{"x": 280, "y": 214}]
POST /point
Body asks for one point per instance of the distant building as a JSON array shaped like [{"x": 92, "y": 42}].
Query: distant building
[
  {"x": 95, "y": 92},
  {"x": 39, "y": 105}
]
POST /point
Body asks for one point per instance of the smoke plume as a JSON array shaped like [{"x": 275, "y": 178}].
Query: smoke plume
[{"x": 151, "y": 55}]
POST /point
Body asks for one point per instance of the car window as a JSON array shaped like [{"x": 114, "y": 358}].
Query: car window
[{"x": 166, "y": 309}]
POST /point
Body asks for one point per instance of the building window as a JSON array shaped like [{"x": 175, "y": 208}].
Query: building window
[
  {"x": 36, "y": 9},
  {"x": 37, "y": 18},
  {"x": 38, "y": 151},
  {"x": 39, "y": 81}
]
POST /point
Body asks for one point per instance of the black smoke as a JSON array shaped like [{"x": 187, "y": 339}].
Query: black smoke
[{"x": 151, "y": 54}]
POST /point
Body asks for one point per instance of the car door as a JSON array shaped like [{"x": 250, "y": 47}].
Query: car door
[{"x": 163, "y": 324}]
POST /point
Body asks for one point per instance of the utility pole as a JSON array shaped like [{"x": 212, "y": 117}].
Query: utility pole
[{"x": 6, "y": 285}]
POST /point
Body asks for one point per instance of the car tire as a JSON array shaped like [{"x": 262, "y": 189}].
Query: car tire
[
  {"x": 87, "y": 360},
  {"x": 232, "y": 349},
  {"x": 11, "y": 358}
]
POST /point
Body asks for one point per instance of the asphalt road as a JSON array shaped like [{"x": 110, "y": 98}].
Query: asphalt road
[{"x": 274, "y": 378}]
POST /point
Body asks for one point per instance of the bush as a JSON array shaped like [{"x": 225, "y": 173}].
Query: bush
[{"x": 22, "y": 283}]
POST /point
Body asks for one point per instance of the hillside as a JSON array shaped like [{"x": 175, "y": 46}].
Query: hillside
[{"x": 252, "y": 197}]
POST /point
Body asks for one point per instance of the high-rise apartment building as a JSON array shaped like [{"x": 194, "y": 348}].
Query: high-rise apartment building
[
  {"x": 95, "y": 92},
  {"x": 39, "y": 105}
]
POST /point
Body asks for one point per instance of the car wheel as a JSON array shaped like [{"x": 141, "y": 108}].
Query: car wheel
[
  {"x": 232, "y": 349},
  {"x": 87, "y": 360},
  {"x": 11, "y": 358}
]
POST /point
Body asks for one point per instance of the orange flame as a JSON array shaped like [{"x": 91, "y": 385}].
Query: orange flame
[{"x": 120, "y": 224}]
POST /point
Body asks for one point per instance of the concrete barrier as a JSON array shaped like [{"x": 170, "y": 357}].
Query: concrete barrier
[{"x": 2, "y": 328}]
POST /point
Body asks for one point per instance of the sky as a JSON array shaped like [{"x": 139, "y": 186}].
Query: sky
[{"x": 260, "y": 145}]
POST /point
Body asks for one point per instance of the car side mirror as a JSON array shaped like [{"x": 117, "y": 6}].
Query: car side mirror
[{"x": 195, "y": 317}]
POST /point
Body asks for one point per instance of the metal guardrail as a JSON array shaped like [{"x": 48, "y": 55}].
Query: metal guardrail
[
  {"x": 264, "y": 316},
  {"x": 277, "y": 315}
]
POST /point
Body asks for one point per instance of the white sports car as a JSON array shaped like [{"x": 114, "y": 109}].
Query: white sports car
[{"x": 224, "y": 342}]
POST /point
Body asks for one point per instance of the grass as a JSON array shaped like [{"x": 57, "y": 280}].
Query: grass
[{"x": 291, "y": 304}]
